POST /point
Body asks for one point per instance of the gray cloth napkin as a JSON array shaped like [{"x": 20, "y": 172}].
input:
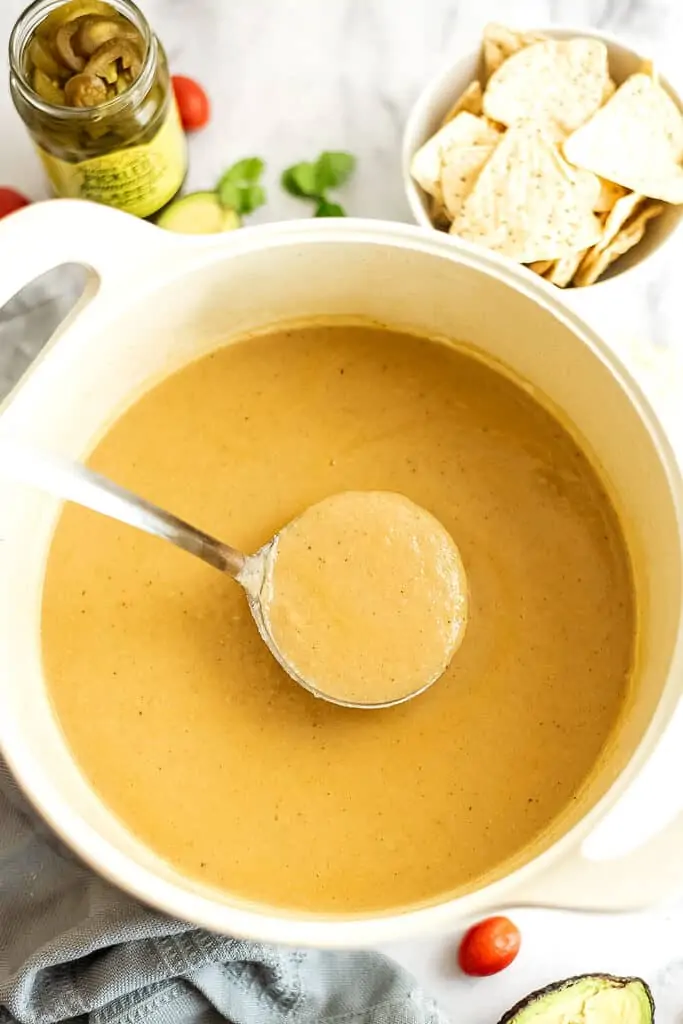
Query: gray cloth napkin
[{"x": 74, "y": 948}]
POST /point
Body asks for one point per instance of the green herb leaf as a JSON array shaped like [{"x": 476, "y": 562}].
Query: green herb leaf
[
  {"x": 332, "y": 169},
  {"x": 252, "y": 198},
  {"x": 312, "y": 180},
  {"x": 238, "y": 189},
  {"x": 229, "y": 194},
  {"x": 249, "y": 169},
  {"x": 300, "y": 180},
  {"x": 243, "y": 199},
  {"x": 326, "y": 209}
]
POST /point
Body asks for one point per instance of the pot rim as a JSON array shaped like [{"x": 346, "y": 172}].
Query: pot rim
[{"x": 293, "y": 928}]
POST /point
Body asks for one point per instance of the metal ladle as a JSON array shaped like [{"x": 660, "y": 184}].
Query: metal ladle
[{"x": 72, "y": 481}]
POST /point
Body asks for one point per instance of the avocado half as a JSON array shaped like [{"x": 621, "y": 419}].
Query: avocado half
[{"x": 586, "y": 999}]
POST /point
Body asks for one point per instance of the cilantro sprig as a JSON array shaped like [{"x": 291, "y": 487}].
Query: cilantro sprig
[
  {"x": 313, "y": 180},
  {"x": 239, "y": 189}
]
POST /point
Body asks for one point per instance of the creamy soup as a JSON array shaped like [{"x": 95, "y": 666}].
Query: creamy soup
[
  {"x": 366, "y": 597},
  {"x": 195, "y": 737}
]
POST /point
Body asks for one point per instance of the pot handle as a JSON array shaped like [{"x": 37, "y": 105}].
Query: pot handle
[
  {"x": 49, "y": 234},
  {"x": 639, "y": 880}
]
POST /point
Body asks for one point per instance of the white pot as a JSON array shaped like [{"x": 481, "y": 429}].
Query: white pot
[{"x": 155, "y": 301}]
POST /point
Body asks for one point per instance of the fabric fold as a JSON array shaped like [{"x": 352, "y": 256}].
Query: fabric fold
[{"x": 74, "y": 948}]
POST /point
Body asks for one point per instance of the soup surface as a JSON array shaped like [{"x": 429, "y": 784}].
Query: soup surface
[
  {"x": 366, "y": 597},
  {"x": 194, "y": 736}
]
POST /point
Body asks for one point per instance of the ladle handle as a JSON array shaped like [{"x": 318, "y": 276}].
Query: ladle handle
[{"x": 73, "y": 481}]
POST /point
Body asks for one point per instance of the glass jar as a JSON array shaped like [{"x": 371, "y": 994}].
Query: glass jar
[{"x": 129, "y": 151}]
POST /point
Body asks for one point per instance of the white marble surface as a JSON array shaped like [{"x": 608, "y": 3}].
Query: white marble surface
[{"x": 291, "y": 77}]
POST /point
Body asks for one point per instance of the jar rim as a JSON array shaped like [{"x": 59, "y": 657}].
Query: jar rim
[{"x": 21, "y": 34}]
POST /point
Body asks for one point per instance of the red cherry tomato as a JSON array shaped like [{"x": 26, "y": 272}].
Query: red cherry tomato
[
  {"x": 489, "y": 947},
  {"x": 11, "y": 200},
  {"x": 193, "y": 103}
]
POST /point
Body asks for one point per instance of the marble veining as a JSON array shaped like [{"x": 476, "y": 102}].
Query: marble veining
[{"x": 291, "y": 77}]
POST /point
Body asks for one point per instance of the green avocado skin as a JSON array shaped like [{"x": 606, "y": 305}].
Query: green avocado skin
[{"x": 549, "y": 1005}]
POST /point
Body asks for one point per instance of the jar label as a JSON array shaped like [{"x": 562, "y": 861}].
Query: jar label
[{"x": 137, "y": 179}]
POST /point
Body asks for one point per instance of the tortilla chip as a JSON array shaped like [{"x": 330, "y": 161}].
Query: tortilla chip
[
  {"x": 500, "y": 42},
  {"x": 609, "y": 90},
  {"x": 555, "y": 82},
  {"x": 438, "y": 214},
  {"x": 459, "y": 172},
  {"x": 470, "y": 102},
  {"x": 635, "y": 140},
  {"x": 562, "y": 271},
  {"x": 622, "y": 211},
  {"x": 540, "y": 266},
  {"x": 587, "y": 184},
  {"x": 609, "y": 193},
  {"x": 597, "y": 260},
  {"x": 524, "y": 203},
  {"x": 464, "y": 130}
]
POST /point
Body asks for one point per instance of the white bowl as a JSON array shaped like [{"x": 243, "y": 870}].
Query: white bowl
[{"x": 441, "y": 92}]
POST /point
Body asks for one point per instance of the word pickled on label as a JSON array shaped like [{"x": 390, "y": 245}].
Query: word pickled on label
[{"x": 139, "y": 179}]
